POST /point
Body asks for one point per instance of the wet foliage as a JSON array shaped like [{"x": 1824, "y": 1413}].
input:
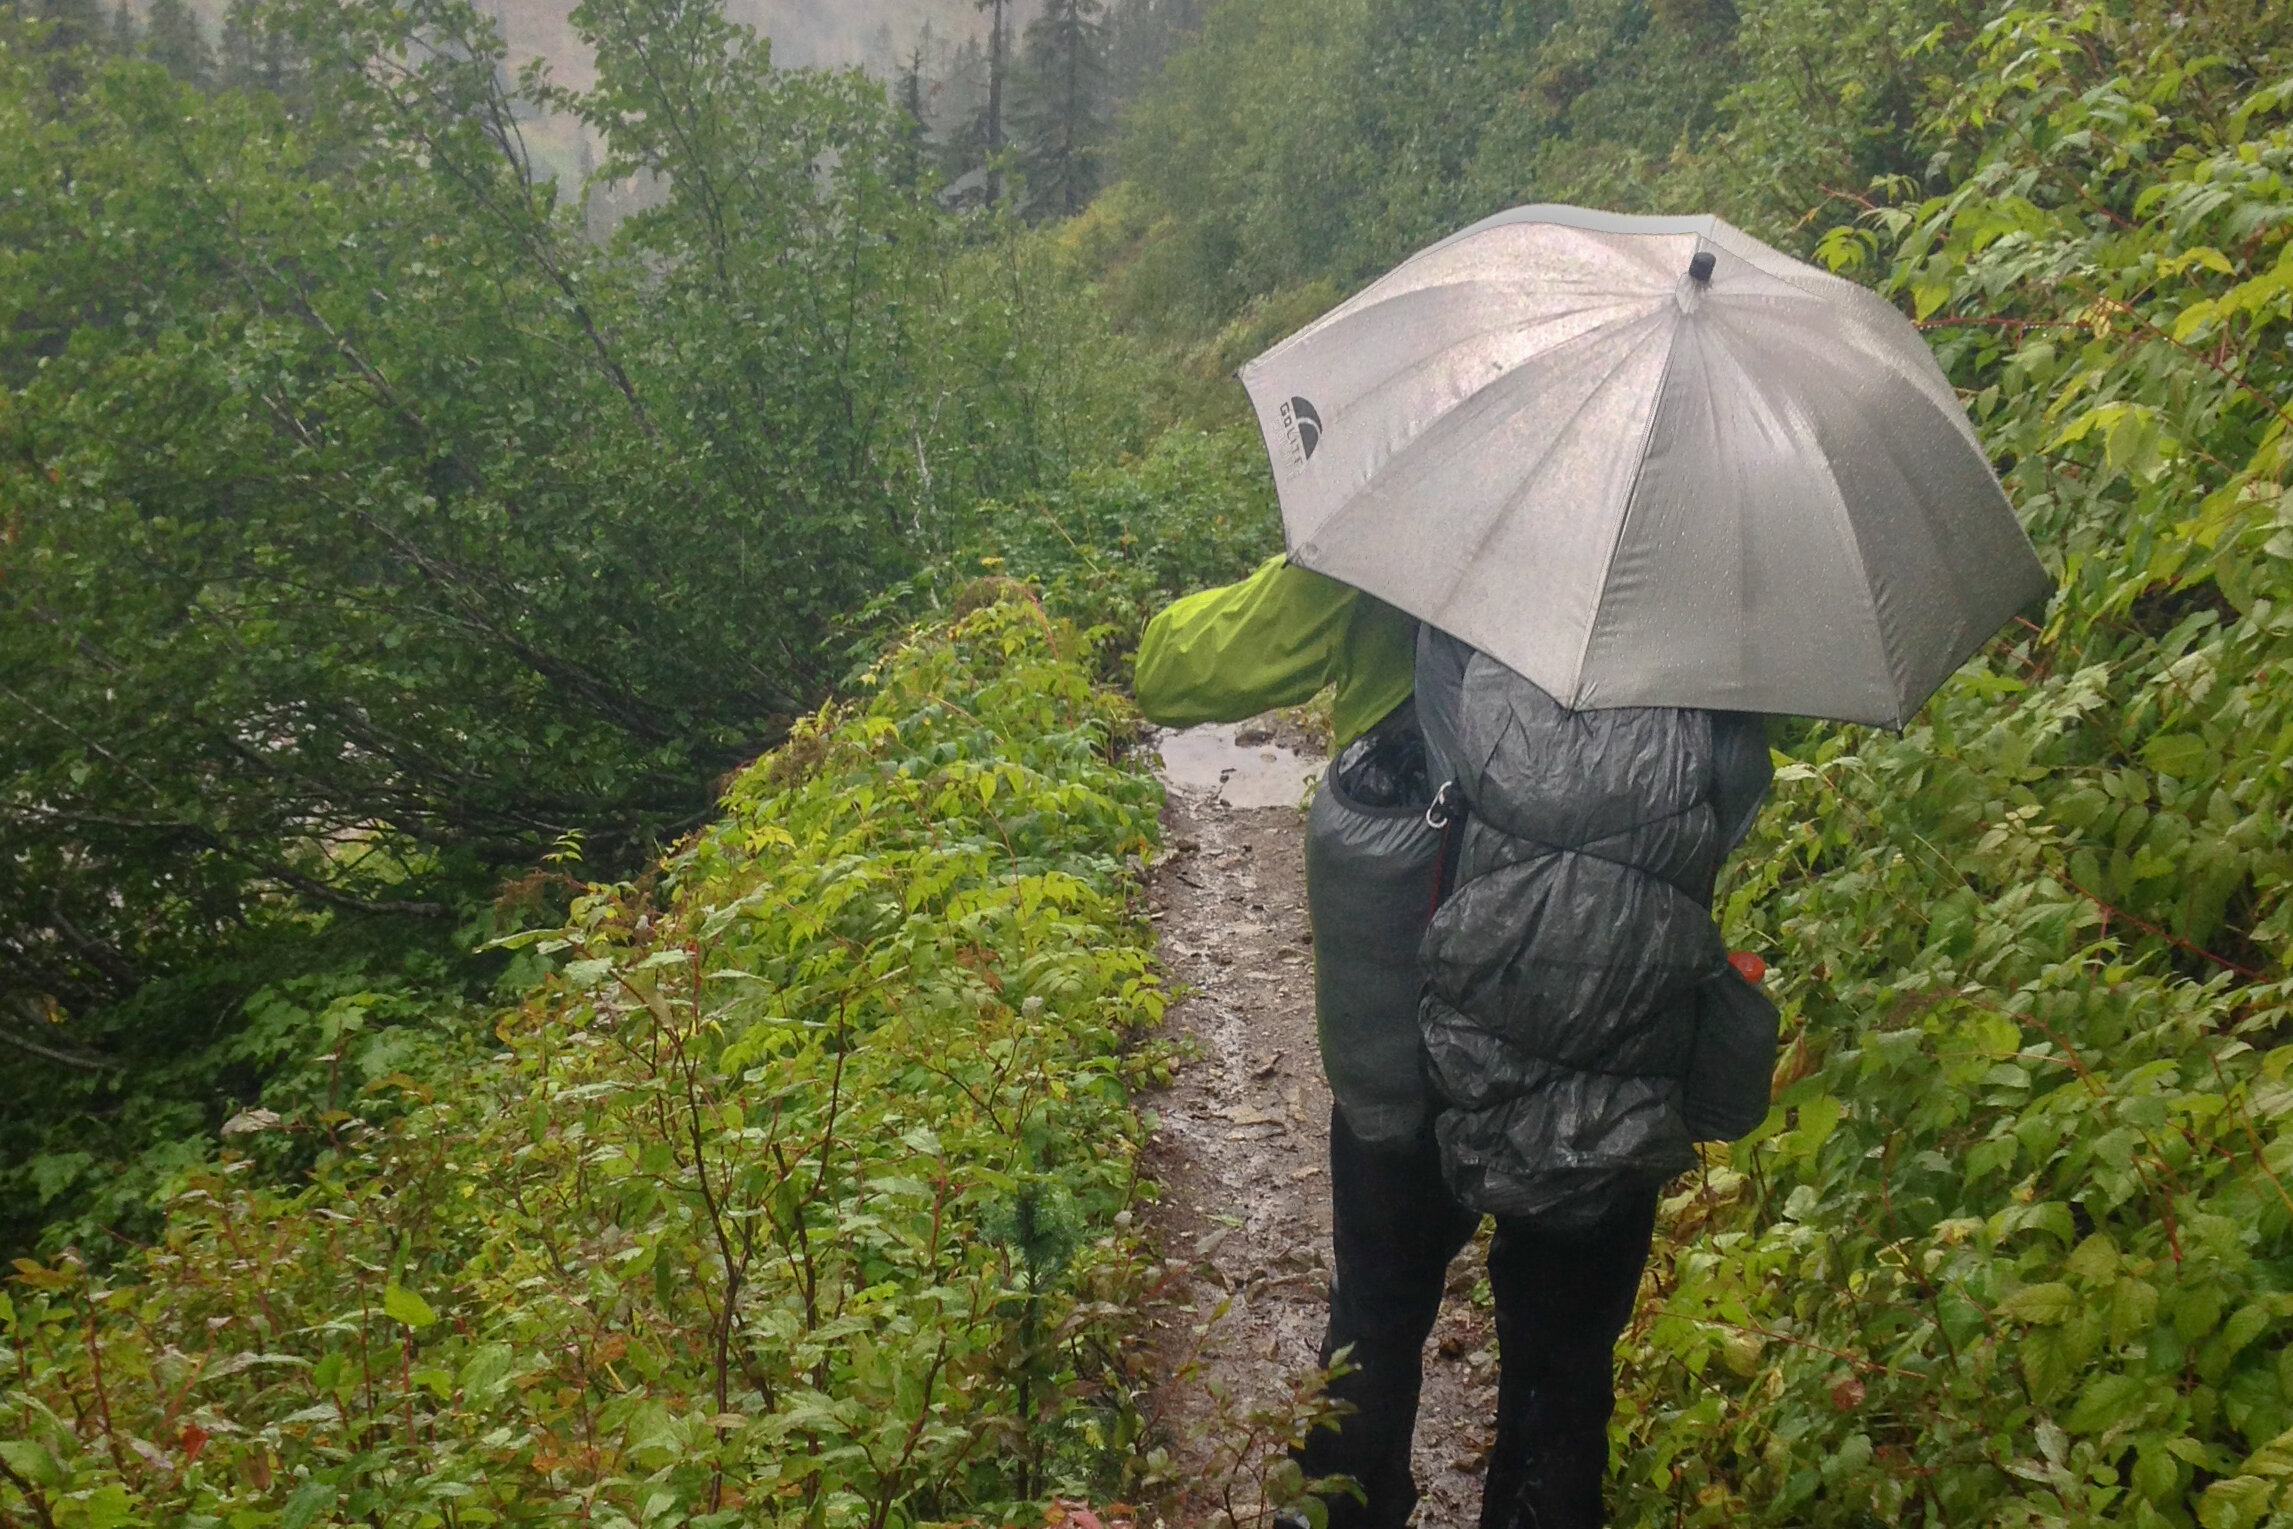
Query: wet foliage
[
  {"x": 796, "y": 1193},
  {"x": 377, "y": 524}
]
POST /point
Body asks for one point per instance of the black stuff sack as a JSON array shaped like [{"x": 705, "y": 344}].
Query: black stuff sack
[
  {"x": 1371, "y": 864},
  {"x": 1732, "y": 1063}
]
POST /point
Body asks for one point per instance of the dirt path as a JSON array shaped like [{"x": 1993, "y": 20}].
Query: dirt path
[{"x": 1243, "y": 1141}]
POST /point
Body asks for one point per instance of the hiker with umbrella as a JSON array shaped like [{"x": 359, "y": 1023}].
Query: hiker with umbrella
[{"x": 1573, "y": 501}]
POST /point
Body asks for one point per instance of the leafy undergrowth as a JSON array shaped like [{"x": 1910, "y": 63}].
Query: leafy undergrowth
[
  {"x": 795, "y": 1194},
  {"x": 2016, "y": 1245}
]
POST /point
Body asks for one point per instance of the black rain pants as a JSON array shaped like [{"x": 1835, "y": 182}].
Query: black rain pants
[{"x": 1562, "y": 1299}]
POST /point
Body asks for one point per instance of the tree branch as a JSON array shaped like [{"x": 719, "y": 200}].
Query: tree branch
[{"x": 49, "y": 1053}]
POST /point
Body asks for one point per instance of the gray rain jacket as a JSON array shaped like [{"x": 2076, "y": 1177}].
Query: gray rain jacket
[{"x": 1573, "y": 976}]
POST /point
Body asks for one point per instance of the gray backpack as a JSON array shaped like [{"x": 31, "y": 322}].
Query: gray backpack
[{"x": 1531, "y": 963}]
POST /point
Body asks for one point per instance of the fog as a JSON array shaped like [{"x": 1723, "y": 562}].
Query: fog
[{"x": 873, "y": 34}]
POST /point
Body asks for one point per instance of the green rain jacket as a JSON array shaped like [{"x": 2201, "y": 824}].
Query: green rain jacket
[{"x": 1275, "y": 639}]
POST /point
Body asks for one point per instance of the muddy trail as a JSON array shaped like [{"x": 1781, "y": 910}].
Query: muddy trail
[{"x": 1241, "y": 1140}]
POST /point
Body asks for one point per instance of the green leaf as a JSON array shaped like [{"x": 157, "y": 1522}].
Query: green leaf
[
  {"x": 2095, "y": 1259},
  {"x": 2238, "y": 1503},
  {"x": 2196, "y": 1309},
  {"x": 2045, "y": 1364},
  {"x": 484, "y": 1372},
  {"x": 590, "y": 973},
  {"x": 2106, "y": 1402},
  {"x": 306, "y": 1503},
  {"x": 2046, "y": 1304},
  {"x": 1817, "y": 1119},
  {"x": 2177, "y": 754},
  {"x": 104, "y": 1508},
  {"x": 2133, "y": 1307},
  {"x": 406, "y": 1306},
  {"x": 32, "y": 1462},
  {"x": 2245, "y": 1324}
]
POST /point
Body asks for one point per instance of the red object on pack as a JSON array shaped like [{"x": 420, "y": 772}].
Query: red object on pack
[{"x": 1748, "y": 966}]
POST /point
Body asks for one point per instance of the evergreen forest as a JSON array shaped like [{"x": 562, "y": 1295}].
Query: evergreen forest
[{"x": 570, "y": 826}]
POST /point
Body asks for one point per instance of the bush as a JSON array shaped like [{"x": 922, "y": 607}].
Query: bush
[
  {"x": 794, "y": 1195},
  {"x": 1111, "y": 544},
  {"x": 371, "y": 531}
]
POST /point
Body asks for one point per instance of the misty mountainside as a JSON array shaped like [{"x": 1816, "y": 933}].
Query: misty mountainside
[
  {"x": 944, "y": 43},
  {"x": 876, "y": 35}
]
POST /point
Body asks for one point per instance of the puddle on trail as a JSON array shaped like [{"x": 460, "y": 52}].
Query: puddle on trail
[{"x": 1206, "y": 760}]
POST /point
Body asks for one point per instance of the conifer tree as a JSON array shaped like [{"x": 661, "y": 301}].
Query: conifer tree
[
  {"x": 915, "y": 131},
  {"x": 254, "y": 54},
  {"x": 1140, "y": 35},
  {"x": 72, "y": 23},
  {"x": 173, "y": 40},
  {"x": 991, "y": 134},
  {"x": 1062, "y": 112},
  {"x": 123, "y": 29},
  {"x": 963, "y": 149},
  {"x": 240, "y": 61},
  {"x": 70, "y": 29}
]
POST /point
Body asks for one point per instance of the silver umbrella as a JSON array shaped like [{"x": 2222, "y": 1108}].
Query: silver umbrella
[{"x": 1647, "y": 462}]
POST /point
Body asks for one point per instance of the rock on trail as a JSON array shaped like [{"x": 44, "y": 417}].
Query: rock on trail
[{"x": 1242, "y": 1145}]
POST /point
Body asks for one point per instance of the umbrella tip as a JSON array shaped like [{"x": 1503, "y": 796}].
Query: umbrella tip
[{"x": 1700, "y": 265}]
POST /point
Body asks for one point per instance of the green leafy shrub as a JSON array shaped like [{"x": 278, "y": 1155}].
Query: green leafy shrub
[
  {"x": 2016, "y": 1244},
  {"x": 372, "y": 520},
  {"x": 795, "y": 1194},
  {"x": 283, "y": 1017},
  {"x": 1112, "y": 543}
]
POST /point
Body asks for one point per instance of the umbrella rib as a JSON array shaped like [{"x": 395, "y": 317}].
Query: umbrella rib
[
  {"x": 1869, "y": 605},
  {"x": 1326, "y": 531},
  {"x": 1891, "y": 657}
]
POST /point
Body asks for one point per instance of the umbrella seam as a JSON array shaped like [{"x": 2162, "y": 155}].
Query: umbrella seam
[
  {"x": 1417, "y": 368},
  {"x": 1624, "y": 518},
  {"x": 1489, "y": 530},
  {"x": 1869, "y": 604}
]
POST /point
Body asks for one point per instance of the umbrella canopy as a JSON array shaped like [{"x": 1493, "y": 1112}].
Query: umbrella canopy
[{"x": 1647, "y": 462}]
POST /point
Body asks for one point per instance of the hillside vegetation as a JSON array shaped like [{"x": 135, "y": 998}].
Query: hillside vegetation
[
  {"x": 372, "y": 532},
  {"x": 795, "y": 1195},
  {"x": 2016, "y": 1244}
]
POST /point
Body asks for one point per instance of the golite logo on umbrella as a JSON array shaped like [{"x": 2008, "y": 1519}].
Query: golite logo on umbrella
[{"x": 1301, "y": 429}]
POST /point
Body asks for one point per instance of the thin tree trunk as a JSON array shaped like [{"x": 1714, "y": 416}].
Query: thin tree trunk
[{"x": 995, "y": 67}]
